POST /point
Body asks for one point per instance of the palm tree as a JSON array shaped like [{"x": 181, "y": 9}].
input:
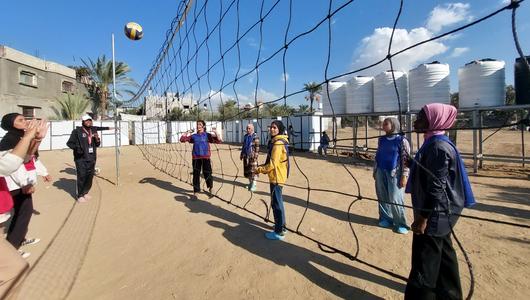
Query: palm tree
[
  {"x": 71, "y": 107},
  {"x": 314, "y": 89},
  {"x": 302, "y": 108},
  {"x": 100, "y": 73}
]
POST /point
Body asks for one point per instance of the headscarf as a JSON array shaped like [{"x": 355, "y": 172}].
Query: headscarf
[
  {"x": 440, "y": 116},
  {"x": 13, "y": 135},
  {"x": 394, "y": 122}
]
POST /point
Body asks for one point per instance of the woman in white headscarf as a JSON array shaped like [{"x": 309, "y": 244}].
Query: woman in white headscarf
[{"x": 390, "y": 174}]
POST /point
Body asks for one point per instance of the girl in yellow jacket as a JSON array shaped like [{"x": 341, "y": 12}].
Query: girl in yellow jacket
[{"x": 277, "y": 167}]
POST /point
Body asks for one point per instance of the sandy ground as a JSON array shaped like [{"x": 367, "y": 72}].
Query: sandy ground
[{"x": 145, "y": 239}]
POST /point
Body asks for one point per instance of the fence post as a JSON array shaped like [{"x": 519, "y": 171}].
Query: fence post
[
  {"x": 143, "y": 133},
  {"x": 475, "y": 137}
]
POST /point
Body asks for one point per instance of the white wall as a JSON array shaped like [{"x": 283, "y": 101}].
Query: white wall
[{"x": 59, "y": 133}]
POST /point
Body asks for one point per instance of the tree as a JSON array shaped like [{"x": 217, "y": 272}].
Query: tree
[
  {"x": 303, "y": 108},
  {"x": 314, "y": 93},
  {"x": 71, "y": 107},
  {"x": 100, "y": 73},
  {"x": 281, "y": 111},
  {"x": 176, "y": 114},
  {"x": 228, "y": 109}
]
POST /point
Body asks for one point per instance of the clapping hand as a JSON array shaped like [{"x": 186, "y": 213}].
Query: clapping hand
[{"x": 42, "y": 129}]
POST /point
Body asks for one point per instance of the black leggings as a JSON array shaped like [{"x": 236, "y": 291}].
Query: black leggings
[
  {"x": 206, "y": 166},
  {"x": 23, "y": 210}
]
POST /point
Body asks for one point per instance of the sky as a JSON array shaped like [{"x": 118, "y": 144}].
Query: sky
[{"x": 68, "y": 31}]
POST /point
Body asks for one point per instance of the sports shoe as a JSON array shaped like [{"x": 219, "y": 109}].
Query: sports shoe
[
  {"x": 401, "y": 230},
  {"x": 24, "y": 254},
  {"x": 274, "y": 236},
  {"x": 87, "y": 196},
  {"x": 252, "y": 187},
  {"x": 384, "y": 223},
  {"x": 31, "y": 241},
  {"x": 82, "y": 199}
]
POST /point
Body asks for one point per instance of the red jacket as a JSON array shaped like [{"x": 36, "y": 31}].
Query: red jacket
[{"x": 6, "y": 201}]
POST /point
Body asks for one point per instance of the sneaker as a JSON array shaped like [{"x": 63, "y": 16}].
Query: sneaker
[
  {"x": 385, "y": 224},
  {"x": 252, "y": 187},
  {"x": 401, "y": 230},
  {"x": 24, "y": 254},
  {"x": 87, "y": 196},
  {"x": 274, "y": 236},
  {"x": 31, "y": 241},
  {"x": 82, "y": 199}
]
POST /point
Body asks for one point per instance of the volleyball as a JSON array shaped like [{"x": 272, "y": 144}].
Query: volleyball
[{"x": 134, "y": 31}]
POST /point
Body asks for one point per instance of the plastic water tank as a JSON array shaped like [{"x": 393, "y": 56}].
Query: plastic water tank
[
  {"x": 360, "y": 95},
  {"x": 385, "y": 98},
  {"x": 481, "y": 84},
  {"x": 522, "y": 81},
  {"x": 337, "y": 97},
  {"x": 429, "y": 83}
]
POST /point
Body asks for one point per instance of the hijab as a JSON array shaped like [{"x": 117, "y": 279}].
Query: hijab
[
  {"x": 394, "y": 122},
  {"x": 440, "y": 117},
  {"x": 13, "y": 135}
]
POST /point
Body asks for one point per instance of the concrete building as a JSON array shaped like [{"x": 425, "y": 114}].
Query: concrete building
[
  {"x": 157, "y": 106},
  {"x": 30, "y": 85}
]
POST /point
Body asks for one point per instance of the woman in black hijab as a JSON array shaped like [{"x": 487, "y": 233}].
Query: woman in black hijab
[{"x": 15, "y": 125}]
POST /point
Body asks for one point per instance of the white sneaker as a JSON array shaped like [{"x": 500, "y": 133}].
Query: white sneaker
[
  {"x": 31, "y": 241},
  {"x": 81, "y": 200},
  {"x": 24, "y": 254}
]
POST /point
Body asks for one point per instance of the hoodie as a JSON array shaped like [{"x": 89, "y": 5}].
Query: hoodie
[{"x": 277, "y": 165}]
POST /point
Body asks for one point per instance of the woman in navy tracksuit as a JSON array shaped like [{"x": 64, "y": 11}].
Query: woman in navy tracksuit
[{"x": 201, "y": 155}]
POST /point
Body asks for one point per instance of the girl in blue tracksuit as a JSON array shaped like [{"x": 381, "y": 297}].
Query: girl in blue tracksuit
[{"x": 201, "y": 155}]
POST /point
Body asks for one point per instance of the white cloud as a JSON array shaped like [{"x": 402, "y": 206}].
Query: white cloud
[
  {"x": 284, "y": 77},
  {"x": 265, "y": 96},
  {"x": 459, "y": 51},
  {"x": 252, "y": 42},
  {"x": 448, "y": 14},
  {"x": 374, "y": 47}
]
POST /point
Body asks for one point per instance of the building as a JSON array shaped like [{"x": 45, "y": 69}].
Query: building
[
  {"x": 157, "y": 106},
  {"x": 30, "y": 85}
]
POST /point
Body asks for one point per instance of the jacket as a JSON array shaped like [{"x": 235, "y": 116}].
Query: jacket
[
  {"x": 26, "y": 174},
  {"x": 201, "y": 144},
  {"x": 9, "y": 163},
  {"x": 277, "y": 166},
  {"x": 438, "y": 199},
  {"x": 78, "y": 142}
]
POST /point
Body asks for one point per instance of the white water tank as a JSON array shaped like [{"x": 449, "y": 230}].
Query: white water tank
[
  {"x": 360, "y": 95},
  {"x": 385, "y": 98},
  {"x": 337, "y": 95},
  {"x": 429, "y": 83},
  {"x": 481, "y": 84}
]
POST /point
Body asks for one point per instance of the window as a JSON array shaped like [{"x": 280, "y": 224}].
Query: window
[
  {"x": 159, "y": 105},
  {"x": 28, "y": 78},
  {"x": 67, "y": 87},
  {"x": 28, "y": 111}
]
